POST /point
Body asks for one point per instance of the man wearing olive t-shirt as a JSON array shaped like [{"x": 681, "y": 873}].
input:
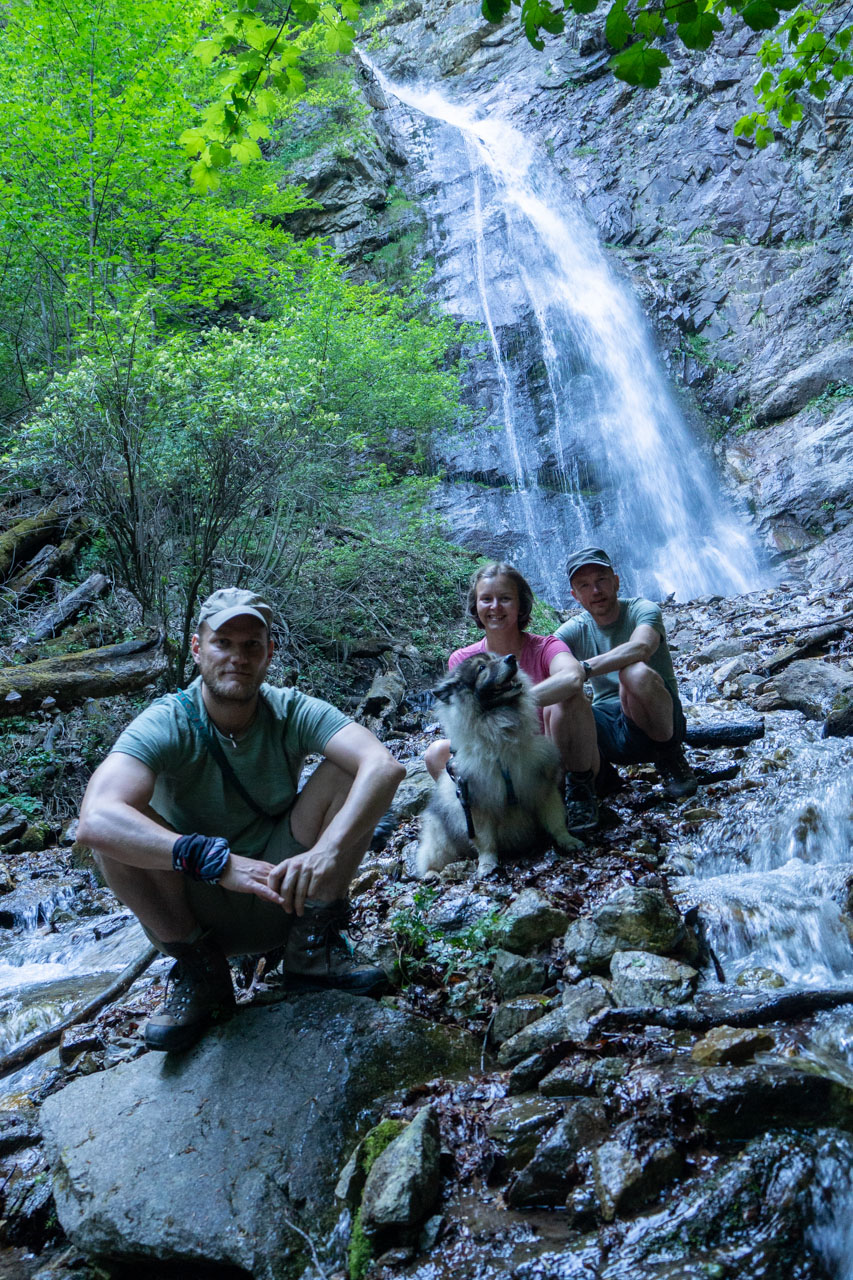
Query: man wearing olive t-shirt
[
  {"x": 621, "y": 646},
  {"x": 201, "y": 830}
]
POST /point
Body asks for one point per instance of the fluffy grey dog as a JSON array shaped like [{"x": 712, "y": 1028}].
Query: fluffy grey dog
[{"x": 503, "y": 797}]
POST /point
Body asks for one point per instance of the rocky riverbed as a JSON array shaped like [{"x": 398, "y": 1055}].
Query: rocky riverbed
[{"x": 633, "y": 1064}]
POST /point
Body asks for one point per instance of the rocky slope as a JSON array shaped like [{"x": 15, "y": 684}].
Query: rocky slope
[{"x": 608, "y": 1115}]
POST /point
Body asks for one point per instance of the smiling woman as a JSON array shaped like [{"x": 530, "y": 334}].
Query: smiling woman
[{"x": 500, "y": 600}]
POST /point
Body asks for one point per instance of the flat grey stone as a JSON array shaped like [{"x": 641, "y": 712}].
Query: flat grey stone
[{"x": 212, "y": 1154}]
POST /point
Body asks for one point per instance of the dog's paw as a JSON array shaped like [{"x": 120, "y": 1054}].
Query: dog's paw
[
  {"x": 487, "y": 864},
  {"x": 570, "y": 844}
]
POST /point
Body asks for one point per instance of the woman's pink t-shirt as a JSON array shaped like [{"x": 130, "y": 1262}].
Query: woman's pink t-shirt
[{"x": 537, "y": 654}]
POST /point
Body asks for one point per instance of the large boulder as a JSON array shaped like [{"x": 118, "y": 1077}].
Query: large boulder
[
  {"x": 812, "y": 686},
  {"x": 223, "y": 1155}
]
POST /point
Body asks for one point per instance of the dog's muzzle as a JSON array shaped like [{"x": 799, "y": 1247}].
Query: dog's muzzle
[{"x": 499, "y": 683}]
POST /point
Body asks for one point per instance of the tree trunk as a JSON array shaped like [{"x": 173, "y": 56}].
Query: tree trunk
[
  {"x": 49, "y": 562},
  {"x": 66, "y": 610},
  {"x": 24, "y": 538},
  {"x": 73, "y": 677}
]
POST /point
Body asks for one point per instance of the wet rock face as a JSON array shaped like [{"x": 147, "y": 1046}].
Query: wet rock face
[
  {"x": 232, "y": 1117},
  {"x": 641, "y": 979}
]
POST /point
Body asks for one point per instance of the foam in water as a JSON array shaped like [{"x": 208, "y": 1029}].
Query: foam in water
[{"x": 654, "y": 500}]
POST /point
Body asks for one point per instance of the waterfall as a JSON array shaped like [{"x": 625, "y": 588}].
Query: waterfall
[{"x": 591, "y": 446}]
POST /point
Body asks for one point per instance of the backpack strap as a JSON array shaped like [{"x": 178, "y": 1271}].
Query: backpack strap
[{"x": 215, "y": 749}]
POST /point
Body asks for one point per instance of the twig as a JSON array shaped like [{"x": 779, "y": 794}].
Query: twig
[
  {"x": 308, "y": 1241},
  {"x": 796, "y": 628},
  {"x": 38, "y": 1044}
]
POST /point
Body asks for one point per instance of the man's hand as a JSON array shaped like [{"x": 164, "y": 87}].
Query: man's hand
[
  {"x": 250, "y": 875},
  {"x": 306, "y": 875}
]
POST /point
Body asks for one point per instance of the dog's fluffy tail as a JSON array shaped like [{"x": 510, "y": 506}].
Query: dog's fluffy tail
[{"x": 435, "y": 850}]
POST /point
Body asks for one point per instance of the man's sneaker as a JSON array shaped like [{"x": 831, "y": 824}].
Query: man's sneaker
[
  {"x": 678, "y": 778},
  {"x": 320, "y": 956},
  {"x": 199, "y": 991},
  {"x": 581, "y": 802}
]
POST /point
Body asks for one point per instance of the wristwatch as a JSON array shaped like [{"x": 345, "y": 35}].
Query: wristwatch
[{"x": 587, "y": 670}]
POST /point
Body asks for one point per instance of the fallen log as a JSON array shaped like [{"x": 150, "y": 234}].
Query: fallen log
[
  {"x": 65, "y": 611},
  {"x": 73, "y": 677},
  {"x": 22, "y": 541},
  {"x": 38, "y": 1044},
  {"x": 731, "y": 734},
  {"x": 784, "y": 1007},
  {"x": 49, "y": 563},
  {"x": 803, "y": 647},
  {"x": 796, "y": 627}
]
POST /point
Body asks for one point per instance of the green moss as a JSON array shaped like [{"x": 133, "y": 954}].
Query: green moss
[{"x": 360, "y": 1247}]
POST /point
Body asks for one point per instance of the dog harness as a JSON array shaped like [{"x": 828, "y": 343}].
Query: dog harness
[{"x": 463, "y": 793}]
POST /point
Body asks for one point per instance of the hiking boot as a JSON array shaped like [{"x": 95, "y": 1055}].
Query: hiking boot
[
  {"x": 581, "y": 802},
  {"x": 320, "y": 956},
  {"x": 199, "y": 991},
  {"x": 678, "y": 778}
]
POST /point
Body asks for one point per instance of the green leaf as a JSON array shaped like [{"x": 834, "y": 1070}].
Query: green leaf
[
  {"x": 206, "y": 51},
  {"x": 340, "y": 38},
  {"x": 685, "y": 11},
  {"x": 495, "y": 10},
  {"x": 217, "y": 155},
  {"x": 203, "y": 178},
  {"x": 650, "y": 23},
  {"x": 745, "y": 126},
  {"x": 699, "y": 34},
  {"x": 257, "y": 129},
  {"x": 583, "y": 6},
  {"x": 760, "y": 15},
  {"x": 536, "y": 16},
  {"x": 618, "y": 28},
  {"x": 763, "y": 138},
  {"x": 639, "y": 65},
  {"x": 245, "y": 151},
  {"x": 192, "y": 140}
]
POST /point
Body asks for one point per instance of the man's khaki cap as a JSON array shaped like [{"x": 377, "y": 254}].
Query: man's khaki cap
[
  {"x": 589, "y": 555},
  {"x": 234, "y": 602}
]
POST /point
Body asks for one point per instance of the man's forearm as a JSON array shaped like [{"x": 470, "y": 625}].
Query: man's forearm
[
  {"x": 124, "y": 834},
  {"x": 624, "y": 655},
  {"x": 558, "y": 688}
]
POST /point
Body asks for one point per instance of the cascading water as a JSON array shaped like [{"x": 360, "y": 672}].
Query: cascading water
[
  {"x": 592, "y": 444},
  {"x": 771, "y": 880}
]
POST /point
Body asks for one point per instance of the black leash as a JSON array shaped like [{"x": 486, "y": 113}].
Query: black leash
[{"x": 463, "y": 794}]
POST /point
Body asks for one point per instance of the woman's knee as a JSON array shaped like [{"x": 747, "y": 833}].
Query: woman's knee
[{"x": 436, "y": 757}]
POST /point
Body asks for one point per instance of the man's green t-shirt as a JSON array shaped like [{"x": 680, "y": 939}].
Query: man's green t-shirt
[
  {"x": 191, "y": 793},
  {"x": 587, "y": 639}
]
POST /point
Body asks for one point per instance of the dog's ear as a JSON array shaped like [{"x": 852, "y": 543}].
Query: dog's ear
[{"x": 445, "y": 690}]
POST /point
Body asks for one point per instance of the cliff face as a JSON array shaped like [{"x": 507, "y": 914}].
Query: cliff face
[{"x": 741, "y": 259}]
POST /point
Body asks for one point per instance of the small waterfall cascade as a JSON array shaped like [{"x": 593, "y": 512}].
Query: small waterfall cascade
[
  {"x": 772, "y": 881},
  {"x": 590, "y": 446}
]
